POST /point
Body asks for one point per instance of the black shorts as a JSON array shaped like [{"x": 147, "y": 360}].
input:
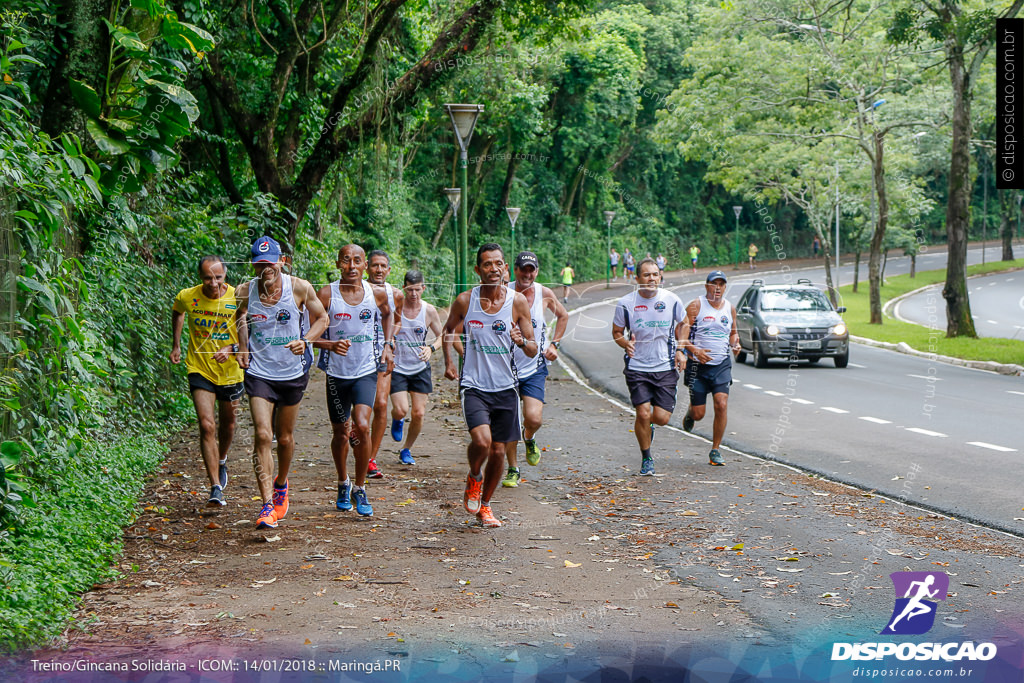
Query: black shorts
[
  {"x": 280, "y": 392},
  {"x": 656, "y": 388},
  {"x": 223, "y": 392},
  {"x": 420, "y": 383},
  {"x": 342, "y": 394},
  {"x": 710, "y": 379},
  {"x": 499, "y": 409}
]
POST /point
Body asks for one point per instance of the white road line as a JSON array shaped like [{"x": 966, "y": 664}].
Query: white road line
[
  {"x": 926, "y": 432},
  {"x": 991, "y": 322},
  {"x": 751, "y": 386},
  {"x": 802, "y": 401},
  {"x": 876, "y": 420},
  {"x": 991, "y": 284},
  {"x": 930, "y": 379},
  {"x": 991, "y": 446},
  {"x": 857, "y": 365},
  {"x": 774, "y": 393},
  {"x": 839, "y": 411},
  {"x": 1019, "y": 393},
  {"x": 1009, "y": 279}
]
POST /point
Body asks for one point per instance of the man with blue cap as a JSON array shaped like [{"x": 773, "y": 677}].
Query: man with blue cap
[
  {"x": 270, "y": 350},
  {"x": 709, "y": 334}
]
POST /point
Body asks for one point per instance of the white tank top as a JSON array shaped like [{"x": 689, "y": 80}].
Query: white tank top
[
  {"x": 526, "y": 366},
  {"x": 270, "y": 328},
  {"x": 408, "y": 342},
  {"x": 712, "y": 329},
  {"x": 488, "y": 365},
  {"x": 358, "y": 324}
]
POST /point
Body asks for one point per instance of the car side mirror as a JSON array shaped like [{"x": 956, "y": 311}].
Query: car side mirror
[
  {"x": 841, "y": 309},
  {"x": 746, "y": 310}
]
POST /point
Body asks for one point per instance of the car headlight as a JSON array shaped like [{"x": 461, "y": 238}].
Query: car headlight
[
  {"x": 838, "y": 330},
  {"x": 774, "y": 330}
]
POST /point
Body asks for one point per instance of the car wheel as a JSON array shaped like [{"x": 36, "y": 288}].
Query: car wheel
[
  {"x": 843, "y": 360},
  {"x": 760, "y": 360}
]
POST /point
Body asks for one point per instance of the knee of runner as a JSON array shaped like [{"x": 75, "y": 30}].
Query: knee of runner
[
  {"x": 360, "y": 430},
  {"x": 285, "y": 440},
  {"x": 480, "y": 441},
  {"x": 207, "y": 426},
  {"x": 643, "y": 413},
  {"x": 418, "y": 413},
  {"x": 721, "y": 401},
  {"x": 264, "y": 435},
  {"x": 661, "y": 419}
]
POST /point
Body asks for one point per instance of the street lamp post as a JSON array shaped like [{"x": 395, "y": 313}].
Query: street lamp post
[
  {"x": 513, "y": 216},
  {"x": 463, "y": 118},
  {"x": 608, "y": 216},
  {"x": 454, "y": 197},
  {"x": 737, "y": 210}
]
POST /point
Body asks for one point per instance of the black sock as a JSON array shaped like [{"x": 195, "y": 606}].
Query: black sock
[{"x": 646, "y": 453}]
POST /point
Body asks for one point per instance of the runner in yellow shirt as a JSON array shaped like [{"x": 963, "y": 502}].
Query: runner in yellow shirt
[
  {"x": 213, "y": 375},
  {"x": 567, "y": 275},
  {"x": 752, "y": 254}
]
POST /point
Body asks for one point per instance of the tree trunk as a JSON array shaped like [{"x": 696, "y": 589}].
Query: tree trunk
[
  {"x": 958, "y": 304},
  {"x": 875, "y": 256},
  {"x": 856, "y": 270},
  {"x": 1006, "y": 223},
  {"x": 913, "y": 264},
  {"x": 885, "y": 262},
  {"x": 506, "y": 188}
]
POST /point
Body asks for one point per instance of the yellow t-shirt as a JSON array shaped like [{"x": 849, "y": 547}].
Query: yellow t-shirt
[
  {"x": 211, "y": 326},
  {"x": 752, "y": 251}
]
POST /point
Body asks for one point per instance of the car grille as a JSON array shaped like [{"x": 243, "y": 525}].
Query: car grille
[{"x": 820, "y": 333}]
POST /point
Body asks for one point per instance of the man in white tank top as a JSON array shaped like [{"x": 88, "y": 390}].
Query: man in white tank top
[
  {"x": 654, "y": 319},
  {"x": 532, "y": 372},
  {"x": 270, "y": 350},
  {"x": 349, "y": 354},
  {"x": 411, "y": 381},
  {"x": 494, "y": 319},
  {"x": 378, "y": 269},
  {"x": 710, "y": 335}
]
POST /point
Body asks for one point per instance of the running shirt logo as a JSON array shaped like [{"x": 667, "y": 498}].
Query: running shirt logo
[
  {"x": 195, "y": 303},
  {"x": 724, "y": 320},
  {"x": 709, "y": 318},
  {"x": 365, "y": 314},
  {"x": 230, "y": 307},
  {"x": 283, "y": 317},
  {"x": 534, "y": 323},
  {"x": 660, "y": 306},
  {"x": 258, "y": 318},
  {"x": 342, "y": 316},
  {"x": 419, "y": 331},
  {"x": 476, "y": 324},
  {"x": 498, "y": 326},
  {"x": 640, "y": 307}
]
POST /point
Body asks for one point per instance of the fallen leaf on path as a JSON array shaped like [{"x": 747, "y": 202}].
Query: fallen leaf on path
[
  {"x": 213, "y": 525},
  {"x": 271, "y": 539},
  {"x": 573, "y": 564},
  {"x": 346, "y": 577},
  {"x": 792, "y": 571}
]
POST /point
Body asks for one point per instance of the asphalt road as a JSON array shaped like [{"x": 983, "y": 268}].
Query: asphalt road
[
  {"x": 932, "y": 434},
  {"x": 997, "y": 306}
]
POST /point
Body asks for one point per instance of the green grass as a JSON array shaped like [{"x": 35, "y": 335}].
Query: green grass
[{"x": 922, "y": 338}]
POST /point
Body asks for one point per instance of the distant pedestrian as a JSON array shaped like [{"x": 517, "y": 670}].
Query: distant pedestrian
[
  {"x": 752, "y": 254},
  {"x": 694, "y": 252},
  {"x": 661, "y": 264},
  {"x": 816, "y": 245},
  {"x": 630, "y": 265},
  {"x": 567, "y": 274},
  {"x": 613, "y": 258}
]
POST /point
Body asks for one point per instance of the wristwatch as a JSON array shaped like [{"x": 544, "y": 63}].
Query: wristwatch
[
  {"x": 557, "y": 344},
  {"x": 391, "y": 343}
]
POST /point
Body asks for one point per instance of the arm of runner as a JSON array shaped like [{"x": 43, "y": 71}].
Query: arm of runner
[
  {"x": 734, "y": 334},
  {"x": 561, "y": 322},
  {"x": 242, "y": 324},
  {"x": 619, "y": 331},
  {"x": 399, "y": 306},
  {"x": 303, "y": 294},
  {"x": 177, "y": 325},
  {"x": 434, "y": 325},
  {"x": 452, "y": 329},
  {"x": 387, "y": 324},
  {"x": 683, "y": 333},
  {"x": 522, "y": 327}
]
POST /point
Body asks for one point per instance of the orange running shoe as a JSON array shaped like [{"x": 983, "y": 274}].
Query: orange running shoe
[
  {"x": 471, "y": 498},
  {"x": 280, "y": 499},
  {"x": 487, "y": 518},
  {"x": 266, "y": 520}
]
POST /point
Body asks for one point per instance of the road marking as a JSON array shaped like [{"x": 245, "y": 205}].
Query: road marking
[
  {"x": 926, "y": 432},
  {"x": 802, "y": 401},
  {"x": 991, "y": 322},
  {"x": 991, "y": 446},
  {"x": 839, "y": 411},
  {"x": 774, "y": 393},
  {"x": 1009, "y": 279},
  {"x": 857, "y": 365},
  {"x": 876, "y": 420},
  {"x": 1019, "y": 393},
  {"x": 930, "y": 379},
  {"x": 991, "y": 284},
  {"x": 751, "y": 386}
]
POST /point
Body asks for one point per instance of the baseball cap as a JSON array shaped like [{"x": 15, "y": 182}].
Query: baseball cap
[
  {"x": 266, "y": 250},
  {"x": 716, "y": 275},
  {"x": 527, "y": 258}
]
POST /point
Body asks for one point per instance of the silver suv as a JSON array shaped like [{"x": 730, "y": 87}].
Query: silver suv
[{"x": 790, "y": 321}]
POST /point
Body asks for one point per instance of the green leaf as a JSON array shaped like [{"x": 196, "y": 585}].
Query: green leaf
[
  {"x": 10, "y": 451},
  {"x": 86, "y": 98},
  {"x": 107, "y": 144},
  {"x": 151, "y": 7},
  {"x": 179, "y": 95},
  {"x": 90, "y": 182}
]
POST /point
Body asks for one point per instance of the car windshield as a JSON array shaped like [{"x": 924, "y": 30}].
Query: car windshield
[{"x": 794, "y": 300}]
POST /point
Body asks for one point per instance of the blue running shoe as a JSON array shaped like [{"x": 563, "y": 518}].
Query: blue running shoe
[
  {"x": 344, "y": 502},
  {"x": 222, "y": 475},
  {"x": 397, "y": 427},
  {"x": 647, "y": 467},
  {"x": 406, "y": 457},
  {"x": 363, "y": 506}
]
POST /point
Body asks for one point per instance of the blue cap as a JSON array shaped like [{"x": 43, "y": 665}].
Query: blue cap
[
  {"x": 266, "y": 250},
  {"x": 716, "y": 275}
]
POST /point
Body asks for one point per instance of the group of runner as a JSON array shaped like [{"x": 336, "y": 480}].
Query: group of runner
[{"x": 376, "y": 341}]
